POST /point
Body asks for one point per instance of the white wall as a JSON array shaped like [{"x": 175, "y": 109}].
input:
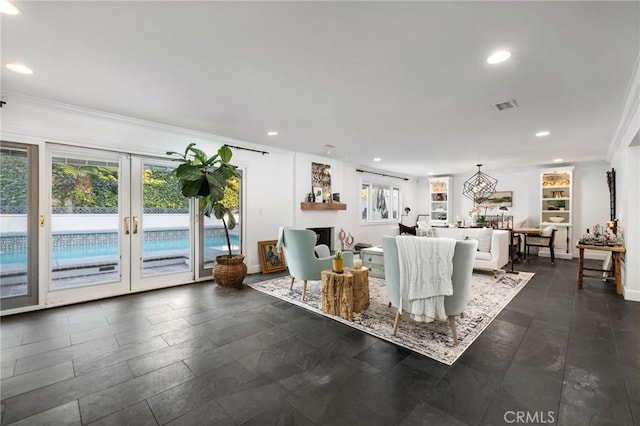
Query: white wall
[
  {"x": 278, "y": 182},
  {"x": 268, "y": 196},
  {"x": 625, "y": 158},
  {"x": 590, "y": 202}
]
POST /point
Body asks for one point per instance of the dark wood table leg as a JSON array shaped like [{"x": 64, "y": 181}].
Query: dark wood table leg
[
  {"x": 616, "y": 271},
  {"x": 580, "y": 267}
]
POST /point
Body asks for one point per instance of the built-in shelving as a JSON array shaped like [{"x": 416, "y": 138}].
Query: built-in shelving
[
  {"x": 440, "y": 204},
  {"x": 556, "y": 193}
]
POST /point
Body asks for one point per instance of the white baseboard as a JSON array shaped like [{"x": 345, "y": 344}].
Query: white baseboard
[{"x": 631, "y": 295}]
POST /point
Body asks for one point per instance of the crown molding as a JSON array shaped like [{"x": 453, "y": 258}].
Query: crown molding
[
  {"x": 57, "y": 106},
  {"x": 630, "y": 110}
]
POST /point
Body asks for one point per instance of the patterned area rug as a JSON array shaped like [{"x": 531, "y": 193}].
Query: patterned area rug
[{"x": 489, "y": 296}]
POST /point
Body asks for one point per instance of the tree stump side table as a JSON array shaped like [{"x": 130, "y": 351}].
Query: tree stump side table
[
  {"x": 360, "y": 288},
  {"x": 337, "y": 294}
]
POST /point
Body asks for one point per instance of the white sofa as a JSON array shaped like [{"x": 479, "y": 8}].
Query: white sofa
[{"x": 493, "y": 245}]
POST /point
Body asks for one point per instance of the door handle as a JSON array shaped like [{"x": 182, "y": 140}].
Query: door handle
[
  {"x": 135, "y": 224},
  {"x": 126, "y": 225}
]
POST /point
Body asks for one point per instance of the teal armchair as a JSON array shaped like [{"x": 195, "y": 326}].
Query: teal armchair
[
  {"x": 299, "y": 245},
  {"x": 463, "y": 257}
]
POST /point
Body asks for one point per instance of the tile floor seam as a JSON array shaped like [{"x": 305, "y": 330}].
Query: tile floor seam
[
  {"x": 564, "y": 368},
  {"x": 620, "y": 364}
]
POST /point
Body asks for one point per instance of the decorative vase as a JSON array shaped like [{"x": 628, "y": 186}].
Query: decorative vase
[
  {"x": 229, "y": 272},
  {"x": 338, "y": 265}
]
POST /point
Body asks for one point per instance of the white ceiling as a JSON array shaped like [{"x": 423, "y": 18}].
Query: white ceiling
[{"x": 406, "y": 82}]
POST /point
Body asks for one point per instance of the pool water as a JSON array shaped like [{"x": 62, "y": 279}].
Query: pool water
[{"x": 99, "y": 250}]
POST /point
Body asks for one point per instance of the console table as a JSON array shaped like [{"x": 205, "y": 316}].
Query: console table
[{"x": 615, "y": 261}]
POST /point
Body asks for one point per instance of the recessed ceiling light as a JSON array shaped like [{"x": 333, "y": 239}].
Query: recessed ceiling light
[
  {"x": 377, "y": 159},
  {"x": 8, "y": 8},
  {"x": 542, "y": 134},
  {"x": 558, "y": 160},
  {"x": 431, "y": 173},
  {"x": 20, "y": 68},
  {"x": 498, "y": 56},
  {"x": 272, "y": 133}
]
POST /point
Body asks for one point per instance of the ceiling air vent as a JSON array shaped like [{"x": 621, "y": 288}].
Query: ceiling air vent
[
  {"x": 328, "y": 145},
  {"x": 506, "y": 105}
]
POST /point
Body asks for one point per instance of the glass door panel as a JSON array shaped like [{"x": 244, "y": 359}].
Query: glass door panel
[
  {"x": 18, "y": 225},
  {"x": 212, "y": 239},
  {"x": 89, "y": 215},
  {"x": 161, "y": 218},
  {"x": 166, "y": 229}
]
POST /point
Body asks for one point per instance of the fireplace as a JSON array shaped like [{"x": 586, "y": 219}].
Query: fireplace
[{"x": 325, "y": 236}]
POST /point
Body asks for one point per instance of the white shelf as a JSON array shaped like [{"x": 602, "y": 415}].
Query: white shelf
[
  {"x": 439, "y": 209},
  {"x": 563, "y": 176}
]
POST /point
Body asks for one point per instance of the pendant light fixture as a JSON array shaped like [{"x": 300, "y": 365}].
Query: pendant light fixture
[{"x": 479, "y": 186}]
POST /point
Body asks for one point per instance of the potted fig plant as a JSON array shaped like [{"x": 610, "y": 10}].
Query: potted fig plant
[{"x": 207, "y": 178}]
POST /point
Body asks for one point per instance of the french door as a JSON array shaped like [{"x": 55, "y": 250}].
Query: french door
[
  {"x": 19, "y": 225},
  {"x": 118, "y": 223}
]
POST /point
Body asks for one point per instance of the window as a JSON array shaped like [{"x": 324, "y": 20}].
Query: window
[{"x": 379, "y": 202}]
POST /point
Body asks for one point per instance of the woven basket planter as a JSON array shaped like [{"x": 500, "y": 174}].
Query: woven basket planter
[{"x": 229, "y": 272}]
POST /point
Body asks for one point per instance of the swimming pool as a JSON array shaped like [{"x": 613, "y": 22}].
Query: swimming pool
[{"x": 87, "y": 252}]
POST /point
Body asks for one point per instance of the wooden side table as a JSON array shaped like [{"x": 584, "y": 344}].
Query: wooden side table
[
  {"x": 360, "y": 288},
  {"x": 615, "y": 260},
  {"x": 337, "y": 294}
]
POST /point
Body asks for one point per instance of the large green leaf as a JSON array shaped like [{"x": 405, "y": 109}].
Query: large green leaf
[
  {"x": 190, "y": 188},
  {"x": 206, "y": 206},
  {"x": 221, "y": 212},
  {"x": 189, "y": 172},
  {"x": 217, "y": 183},
  {"x": 225, "y": 153}
]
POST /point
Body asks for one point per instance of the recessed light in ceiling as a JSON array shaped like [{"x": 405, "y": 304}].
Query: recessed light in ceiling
[
  {"x": 498, "y": 56},
  {"x": 558, "y": 160},
  {"x": 431, "y": 173},
  {"x": 8, "y": 8},
  {"x": 542, "y": 134},
  {"x": 272, "y": 133},
  {"x": 377, "y": 159},
  {"x": 20, "y": 68}
]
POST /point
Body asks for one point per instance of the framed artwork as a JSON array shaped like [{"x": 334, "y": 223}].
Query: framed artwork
[
  {"x": 317, "y": 192},
  {"x": 270, "y": 259},
  {"x": 321, "y": 177},
  {"x": 500, "y": 198}
]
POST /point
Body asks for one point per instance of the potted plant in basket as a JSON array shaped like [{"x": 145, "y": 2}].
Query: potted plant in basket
[{"x": 206, "y": 178}]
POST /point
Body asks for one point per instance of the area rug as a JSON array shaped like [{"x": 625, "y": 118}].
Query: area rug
[{"x": 489, "y": 295}]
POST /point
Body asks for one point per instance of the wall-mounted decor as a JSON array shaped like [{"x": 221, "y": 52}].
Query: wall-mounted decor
[
  {"x": 321, "y": 177},
  {"x": 500, "y": 198},
  {"x": 270, "y": 259}
]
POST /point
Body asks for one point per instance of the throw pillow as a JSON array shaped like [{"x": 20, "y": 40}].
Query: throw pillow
[
  {"x": 425, "y": 232},
  {"x": 407, "y": 229},
  {"x": 484, "y": 239},
  {"x": 546, "y": 232}
]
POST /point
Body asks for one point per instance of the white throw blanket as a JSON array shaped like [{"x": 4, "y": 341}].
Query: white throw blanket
[
  {"x": 280, "y": 242},
  {"x": 426, "y": 266}
]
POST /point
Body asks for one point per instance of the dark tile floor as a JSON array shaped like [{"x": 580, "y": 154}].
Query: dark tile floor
[{"x": 199, "y": 354}]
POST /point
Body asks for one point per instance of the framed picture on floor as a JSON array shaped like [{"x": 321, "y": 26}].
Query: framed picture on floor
[{"x": 270, "y": 259}]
